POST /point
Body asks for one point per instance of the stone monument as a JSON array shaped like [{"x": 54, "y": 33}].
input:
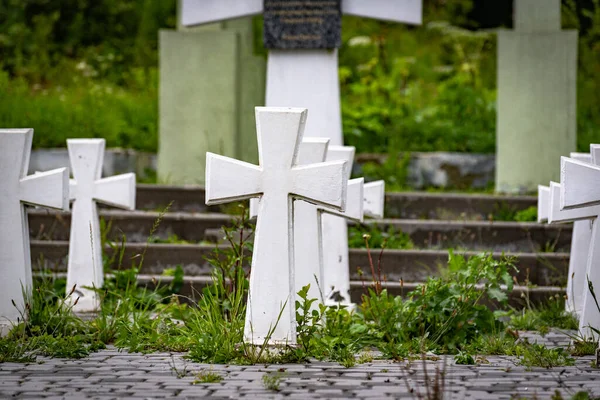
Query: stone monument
[
  {"x": 537, "y": 80},
  {"x": 303, "y": 37},
  {"x": 210, "y": 81}
]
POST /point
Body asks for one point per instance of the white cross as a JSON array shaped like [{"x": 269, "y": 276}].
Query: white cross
[
  {"x": 307, "y": 78},
  {"x": 577, "y": 190},
  {"x": 278, "y": 181},
  {"x": 374, "y": 199},
  {"x": 335, "y": 242},
  {"x": 45, "y": 189},
  {"x": 543, "y": 203},
  {"x": 308, "y": 228},
  {"x": 86, "y": 190}
]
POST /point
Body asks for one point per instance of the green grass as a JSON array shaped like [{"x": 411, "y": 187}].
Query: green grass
[
  {"x": 125, "y": 118},
  {"x": 444, "y": 315}
]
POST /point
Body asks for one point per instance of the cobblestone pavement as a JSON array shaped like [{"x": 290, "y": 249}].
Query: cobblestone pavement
[{"x": 113, "y": 374}]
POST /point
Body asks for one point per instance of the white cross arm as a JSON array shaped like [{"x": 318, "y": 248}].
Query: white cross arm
[
  {"x": 408, "y": 11},
  {"x": 319, "y": 184},
  {"x": 116, "y": 191},
  {"x": 46, "y": 189},
  {"x": 576, "y": 214},
  {"x": 374, "y": 199},
  {"x": 198, "y": 12},
  {"x": 229, "y": 180},
  {"x": 579, "y": 184},
  {"x": 543, "y": 203},
  {"x": 354, "y": 202}
]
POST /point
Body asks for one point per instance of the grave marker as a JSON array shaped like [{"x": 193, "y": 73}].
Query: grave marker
[
  {"x": 306, "y": 77},
  {"x": 583, "y": 220},
  {"x": 86, "y": 190},
  {"x": 45, "y": 189},
  {"x": 278, "y": 181},
  {"x": 578, "y": 187}
]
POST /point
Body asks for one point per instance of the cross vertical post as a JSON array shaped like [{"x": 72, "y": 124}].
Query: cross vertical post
[
  {"x": 45, "y": 189},
  {"x": 85, "y": 267}
]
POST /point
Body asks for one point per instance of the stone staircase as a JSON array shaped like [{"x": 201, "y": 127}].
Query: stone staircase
[{"x": 189, "y": 231}]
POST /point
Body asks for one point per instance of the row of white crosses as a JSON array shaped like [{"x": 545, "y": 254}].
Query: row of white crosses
[
  {"x": 52, "y": 190},
  {"x": 575, "y": 200},
  {"x": 290, "y": 246}
]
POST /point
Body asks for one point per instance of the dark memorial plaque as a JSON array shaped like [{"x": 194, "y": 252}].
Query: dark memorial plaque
[{"x": 302, "y": 24}]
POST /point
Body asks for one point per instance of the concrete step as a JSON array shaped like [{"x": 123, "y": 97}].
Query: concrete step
[
  {"x": 426, "y": 234},
  {"x": 544, "y": 269},
  {"x": 408, "y": 205}
]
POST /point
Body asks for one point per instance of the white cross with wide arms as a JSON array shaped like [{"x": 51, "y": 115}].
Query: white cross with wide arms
[
  {"x": 577, "y": 190},
  {"x": 277, "y": 180},
  {"x": 86, "y": 190},
  {"x": 45, "y": 189}
]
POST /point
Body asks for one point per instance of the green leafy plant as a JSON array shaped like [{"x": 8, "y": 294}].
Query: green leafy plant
[
  {"x": 272, "y": 381},
  {"x": 207, "y": 376},
  {"x": 527, "y": 215},
  {"x": 377, "y": 238}
]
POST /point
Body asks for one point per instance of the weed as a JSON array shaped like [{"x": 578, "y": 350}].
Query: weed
[
  {"x": 207, "y": 376},
  {"x": 271, "y": 381},
  {"x": 527, "y": 215},
  {"x": 365, "y": 358},
  {"x": 550, "y": 314},
  {"x": 463, "y": 358},
  {"x": 583, "y": 347},
  {"x": 536, "y": 355},
  {"x": 390, "y": 238}
]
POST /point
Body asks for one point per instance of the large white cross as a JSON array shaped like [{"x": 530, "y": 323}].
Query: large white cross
[
  {"x": 306, "y": 78},
  {"x": 86, "y": 190},
  {"x": 578, "y": 189},
  {"x": 45, "y": 189},
  {"x": 278, "y": 181}
]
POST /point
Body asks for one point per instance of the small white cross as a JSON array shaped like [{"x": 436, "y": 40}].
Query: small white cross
[
  {"x": 86, "y": 190},
  {"x": 579, "y": 181},
  {"x": 46, "y": 189},
  {"x": 278, "y": 181},
  {"x": 374, "y": 199}
]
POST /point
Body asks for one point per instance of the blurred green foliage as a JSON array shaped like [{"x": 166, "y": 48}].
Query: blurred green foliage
[{"x": 79, "y": 68}]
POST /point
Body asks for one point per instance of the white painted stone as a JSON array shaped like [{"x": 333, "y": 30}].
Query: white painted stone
[
  {"x": 86, "y": 190},
  {"x": 543, "y": 203},
  {"x": 304, "y": 78},
  {"x": 278, "y": 181},
  {"x": 374, "y": 199},
  {"x": 336, "y": 285},
  {"x": 46, "y": 189},
  {"x": 578, "y": 183}
]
